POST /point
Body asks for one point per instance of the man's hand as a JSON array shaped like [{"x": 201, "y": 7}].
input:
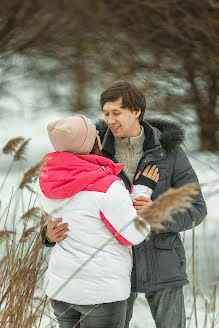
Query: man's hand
[
  {"x": 142, "y": 202},
  {"x": 55, "y": 234}
]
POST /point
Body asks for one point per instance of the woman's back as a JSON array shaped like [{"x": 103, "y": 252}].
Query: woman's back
[{"x": 86, "y": 192}]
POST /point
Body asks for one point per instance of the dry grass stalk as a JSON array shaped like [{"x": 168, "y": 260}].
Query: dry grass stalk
[
  {"x": 193, "y": 274},
  {"x": 27, "y": 232},
  {"x": 140, "y": 224},
  {"x": 31, "y": 175},
  {"x": 11, "y": 146},
  {"x": 5, "y": 234},
  {"x": 19, "y": 155},
  {"x": 42, "y": 170},
  {"x": 32, "y": 213},
  {"x": 22, "y": 271},
  {"x": 214, "y": 306},
  {"x": 22, "y": 267},
  {"x": 170, "y": 202},
  {"x": 3, "y": 260},
  {"x": 206, "y": 314}
]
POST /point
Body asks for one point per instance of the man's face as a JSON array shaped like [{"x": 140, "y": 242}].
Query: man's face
[{"x": 122, "y": 121}]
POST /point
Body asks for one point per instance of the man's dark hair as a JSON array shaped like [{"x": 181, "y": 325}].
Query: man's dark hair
[{"x": 132, "y": 97}]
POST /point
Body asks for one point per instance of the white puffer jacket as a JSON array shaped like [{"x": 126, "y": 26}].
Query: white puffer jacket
[{"x": 85, "y": 191}]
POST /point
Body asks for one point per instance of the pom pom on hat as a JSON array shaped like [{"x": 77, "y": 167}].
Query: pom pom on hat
[{"x": 72, "y": 134}]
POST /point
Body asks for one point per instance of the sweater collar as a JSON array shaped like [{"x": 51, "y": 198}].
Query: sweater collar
[
  {"x": 128, "y": 143},
  {"x": 151, "y": 139}
]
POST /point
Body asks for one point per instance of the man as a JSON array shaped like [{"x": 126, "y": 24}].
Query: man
[{"x": 159, "y": 263}]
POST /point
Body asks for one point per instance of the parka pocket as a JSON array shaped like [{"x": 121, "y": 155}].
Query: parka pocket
[
  {"x": 167, "y": 258},
  {"x": 140, "y": 267}
]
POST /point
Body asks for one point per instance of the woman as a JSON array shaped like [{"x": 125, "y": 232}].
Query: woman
[{"x": 83, "y": 188}]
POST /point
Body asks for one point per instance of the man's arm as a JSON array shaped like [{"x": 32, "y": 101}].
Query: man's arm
[
  {"x": 183, "y": 173},
  {"x": 51, "y": 234}
]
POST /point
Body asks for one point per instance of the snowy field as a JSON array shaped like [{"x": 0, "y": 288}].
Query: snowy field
[{"x": 206, "y": 166}]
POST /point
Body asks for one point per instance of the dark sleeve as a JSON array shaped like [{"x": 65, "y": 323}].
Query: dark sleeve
[
  {"x": 44, "y": 240},
  {"x": 142, "y": 180},
  {"x": 183, "y": 173}
]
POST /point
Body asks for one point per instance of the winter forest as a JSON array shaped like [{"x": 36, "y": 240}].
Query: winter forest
[{"x": 56, "y": 58}]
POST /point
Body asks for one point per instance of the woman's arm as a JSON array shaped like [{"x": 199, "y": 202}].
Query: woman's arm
[{"x": 118, "y": 214}]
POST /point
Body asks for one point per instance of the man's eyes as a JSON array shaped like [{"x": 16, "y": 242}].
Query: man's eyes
[{"x": 115, "y": 114}]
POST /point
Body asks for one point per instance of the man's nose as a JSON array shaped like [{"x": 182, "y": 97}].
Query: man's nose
[{"x": 110, "y": 120}]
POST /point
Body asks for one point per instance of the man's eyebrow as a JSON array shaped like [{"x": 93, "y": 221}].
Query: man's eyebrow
[{"x": 113, "y": 110}]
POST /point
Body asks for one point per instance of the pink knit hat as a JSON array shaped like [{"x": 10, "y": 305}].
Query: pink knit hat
[{"x": 72, "y": 134}]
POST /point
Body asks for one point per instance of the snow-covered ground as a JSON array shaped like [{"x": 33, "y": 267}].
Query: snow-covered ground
[{"x": 206, "y": 166}]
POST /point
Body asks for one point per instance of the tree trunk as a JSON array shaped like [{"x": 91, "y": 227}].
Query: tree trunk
[
  {"x": 81, "y": 79},
  {"x": 209, "y": 127},
  {"x": 208, "y": 119}
]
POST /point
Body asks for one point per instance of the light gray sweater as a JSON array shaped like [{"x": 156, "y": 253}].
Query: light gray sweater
[{"x": 129, "y": 151}]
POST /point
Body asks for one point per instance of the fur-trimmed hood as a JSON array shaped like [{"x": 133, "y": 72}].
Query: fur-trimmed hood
[{"x": 170, "y": 134}]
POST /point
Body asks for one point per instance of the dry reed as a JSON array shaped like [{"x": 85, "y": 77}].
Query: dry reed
[
  {"x": 20, "y": 153},
  {"x": 21, "y": 270},
  {"x": 31, "y": 175},
  {"x": 23, "y": 261},
  {"x": 10, "y": 147},
  {"x": 193, "y": 274},
  {"x": 32, "y": 213},
  {"x": 17, "y": 148},
  {"x": 163, "y": 208}
]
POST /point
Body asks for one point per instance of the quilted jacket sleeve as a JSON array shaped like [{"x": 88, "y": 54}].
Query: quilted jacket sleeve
[
  {"x": 183, "y": 173},
  {"x": 139, "y": 190},
  {"x": 118, "y": 214}
]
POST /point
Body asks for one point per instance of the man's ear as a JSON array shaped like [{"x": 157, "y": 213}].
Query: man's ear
[{"x": 137, "y": 113}]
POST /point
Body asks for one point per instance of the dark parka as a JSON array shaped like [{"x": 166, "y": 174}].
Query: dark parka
[{"x": 160, "y": 260}]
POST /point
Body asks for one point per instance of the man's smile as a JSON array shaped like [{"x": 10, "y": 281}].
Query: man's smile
[{"x": 115, "y": 128}]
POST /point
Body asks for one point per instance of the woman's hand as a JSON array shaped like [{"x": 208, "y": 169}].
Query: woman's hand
[
  {"x": 141, "y": 202},
  {"x": 55, "y": 234},
  {"x": 150, "y": 172}
]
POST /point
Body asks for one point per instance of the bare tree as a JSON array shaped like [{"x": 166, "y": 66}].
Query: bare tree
[
  {"x": 170, "y": 48},
  {"x": 177, "y": 43},
  {"x": 53, "y": 37}
]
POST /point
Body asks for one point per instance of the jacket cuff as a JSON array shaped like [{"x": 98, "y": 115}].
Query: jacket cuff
[
  {"x": 142, "y": 180},
  {"x": 44, "y": 240}
]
